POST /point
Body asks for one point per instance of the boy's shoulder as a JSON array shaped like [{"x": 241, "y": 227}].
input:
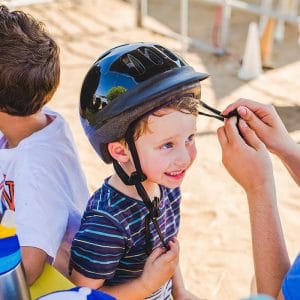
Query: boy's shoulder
[
  {"x": 43, "y": 147},
  {"x": 109, "y": 199},
  {"x": 56, "y": 134},
  {"x": 172, "y": 194}
]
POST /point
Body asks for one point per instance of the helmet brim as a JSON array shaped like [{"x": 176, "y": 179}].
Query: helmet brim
[{"x": 156, "y": 87}]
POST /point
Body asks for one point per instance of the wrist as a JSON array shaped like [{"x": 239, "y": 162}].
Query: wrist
[
  {"x": 144, "y": 286},
  {"x": 286, "y": 149},
  {"x": 291, "y": 153},
  {"x": 266, "y": 188}
]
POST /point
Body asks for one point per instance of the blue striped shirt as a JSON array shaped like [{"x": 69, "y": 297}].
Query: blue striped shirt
[{"x": 110, "y": 243}]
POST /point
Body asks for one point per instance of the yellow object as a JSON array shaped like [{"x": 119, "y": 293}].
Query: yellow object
[
  {"x": 6, "y": 231},
  {"x": 49, "y": 281}
]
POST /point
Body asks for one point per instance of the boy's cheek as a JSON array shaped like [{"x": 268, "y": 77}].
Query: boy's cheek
[{"x": 193, "y": 154}]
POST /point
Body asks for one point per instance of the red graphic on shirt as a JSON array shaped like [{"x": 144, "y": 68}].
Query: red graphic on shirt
[{"x": 7, "y": 196}]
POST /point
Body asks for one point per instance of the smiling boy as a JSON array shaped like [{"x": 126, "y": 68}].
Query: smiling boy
[{"x": 127, "y": 244}]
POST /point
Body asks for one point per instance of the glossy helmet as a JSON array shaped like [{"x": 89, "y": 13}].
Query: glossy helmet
[{"x": 127, "y": 82}]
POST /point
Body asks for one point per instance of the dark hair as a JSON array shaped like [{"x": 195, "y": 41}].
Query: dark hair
[{"x": 29, "y": 63}]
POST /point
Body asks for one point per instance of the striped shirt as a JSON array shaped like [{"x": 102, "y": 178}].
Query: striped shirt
[{"x": 110, "y": 243}]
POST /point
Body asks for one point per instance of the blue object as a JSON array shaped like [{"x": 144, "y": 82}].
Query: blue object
[
  {"x": 78, "y": 293},
  {"x": 291, "y": 282},
  {"x": 13, "y": 284},
  {"x": 10, "y": 254}
]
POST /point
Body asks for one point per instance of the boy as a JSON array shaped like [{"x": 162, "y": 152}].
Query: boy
[
  {"x": 138, "y": 107},
  {"x": 40, "y": 175},
  {"x": 262, "y": 128}
]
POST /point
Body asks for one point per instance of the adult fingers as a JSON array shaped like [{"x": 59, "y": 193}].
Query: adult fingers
[
  {"x": 264, "y": 112},
  {"x": 231, "y": 131},
  {"x": 249, "y": 136},
  {"x": 235, "y": 105},
  {"x": 222, "y": 137},
  {"x": 252, "y": 120}
]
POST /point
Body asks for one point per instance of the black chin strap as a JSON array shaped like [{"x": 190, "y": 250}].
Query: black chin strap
[{"x": 136, "y": 178}]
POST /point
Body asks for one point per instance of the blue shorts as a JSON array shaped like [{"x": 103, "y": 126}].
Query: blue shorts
[{"x": 291, "y": 282}]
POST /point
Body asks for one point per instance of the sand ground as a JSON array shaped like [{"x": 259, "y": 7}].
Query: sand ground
[{"x": 215, "y": 239}]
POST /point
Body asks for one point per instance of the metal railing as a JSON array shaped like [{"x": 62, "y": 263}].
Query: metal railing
[
  {"x": 265, "y": 9},
  {"x": 16, "y": 3}
]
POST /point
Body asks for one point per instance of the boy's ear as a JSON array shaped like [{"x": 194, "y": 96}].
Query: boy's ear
[{"x": 118, "y": 151}]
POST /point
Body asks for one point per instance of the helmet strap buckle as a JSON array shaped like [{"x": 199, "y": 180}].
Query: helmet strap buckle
[{"x": 136, "y": 177}]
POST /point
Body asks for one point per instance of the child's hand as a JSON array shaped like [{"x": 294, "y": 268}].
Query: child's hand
[
  {"x": 246, "y": 159},
  {"x": 266, "y": 123},
  {"x": 160, "y": 266}
]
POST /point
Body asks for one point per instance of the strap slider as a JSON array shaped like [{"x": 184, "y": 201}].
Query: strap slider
[{"x": 135, "y": 178}]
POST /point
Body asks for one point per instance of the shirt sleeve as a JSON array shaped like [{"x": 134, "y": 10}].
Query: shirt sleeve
[
  {"x": 291, "y": 282},
  {"x": 98, "y": 246}
]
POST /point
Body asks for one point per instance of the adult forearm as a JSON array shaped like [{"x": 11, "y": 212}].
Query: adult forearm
[
  {"x": 291, "y": 159},
  {"x": 270, "y": 256}
]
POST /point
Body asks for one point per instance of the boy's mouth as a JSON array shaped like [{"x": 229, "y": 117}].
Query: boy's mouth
[{"x": 176, "y": 174}]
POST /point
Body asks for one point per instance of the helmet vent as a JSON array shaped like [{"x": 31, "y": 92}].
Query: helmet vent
[
  {"x": 167, "y": 53},
  {"x": 152, "y": 56},
  {"x": 133, "y": 64}
]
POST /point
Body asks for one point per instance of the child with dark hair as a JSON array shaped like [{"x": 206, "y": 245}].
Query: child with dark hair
[{"x": 40, "y": 175}]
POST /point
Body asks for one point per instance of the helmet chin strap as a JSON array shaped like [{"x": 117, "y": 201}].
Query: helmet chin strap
[{"x": 136, "y": 178}]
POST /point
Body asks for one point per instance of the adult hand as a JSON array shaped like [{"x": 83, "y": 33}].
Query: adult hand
[
  {"x": 246, "y": 159},
  {"x": 266, "y": 123}
]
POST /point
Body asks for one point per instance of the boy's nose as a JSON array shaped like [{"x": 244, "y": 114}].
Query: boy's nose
[{"x": 183, "y": 158}]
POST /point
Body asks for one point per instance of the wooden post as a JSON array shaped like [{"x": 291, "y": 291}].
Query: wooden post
[
  {"x": 184, "y": 19},
  {"x": 266, "y": 43},
  {"x": 138, "y": 11}
]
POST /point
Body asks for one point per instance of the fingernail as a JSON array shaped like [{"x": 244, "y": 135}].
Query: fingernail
[{"x": 242, "y": 111}]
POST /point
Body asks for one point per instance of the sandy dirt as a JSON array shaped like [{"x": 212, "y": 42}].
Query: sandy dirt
[{"x": 215, "y": 239}]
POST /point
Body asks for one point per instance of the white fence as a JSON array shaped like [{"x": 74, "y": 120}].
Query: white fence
[
  {"x": 15, "y": 3},
  {"x": 282, "y": 10}
]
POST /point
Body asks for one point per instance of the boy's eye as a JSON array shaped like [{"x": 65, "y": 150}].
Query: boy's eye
[
  {"x": 167, "y": 146},
  {"x": 190, "y": 138}
]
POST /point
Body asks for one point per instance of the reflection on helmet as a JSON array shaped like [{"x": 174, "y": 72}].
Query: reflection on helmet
[
  {"x": 115, "y": 92},
  {"x": 125, "y": 83}
]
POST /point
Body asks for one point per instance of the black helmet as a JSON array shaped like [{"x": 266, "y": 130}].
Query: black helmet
[{"x": 125, "y": 83}]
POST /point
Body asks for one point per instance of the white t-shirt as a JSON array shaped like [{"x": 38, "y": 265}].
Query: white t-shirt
[{"x": 41, "y": 179}]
